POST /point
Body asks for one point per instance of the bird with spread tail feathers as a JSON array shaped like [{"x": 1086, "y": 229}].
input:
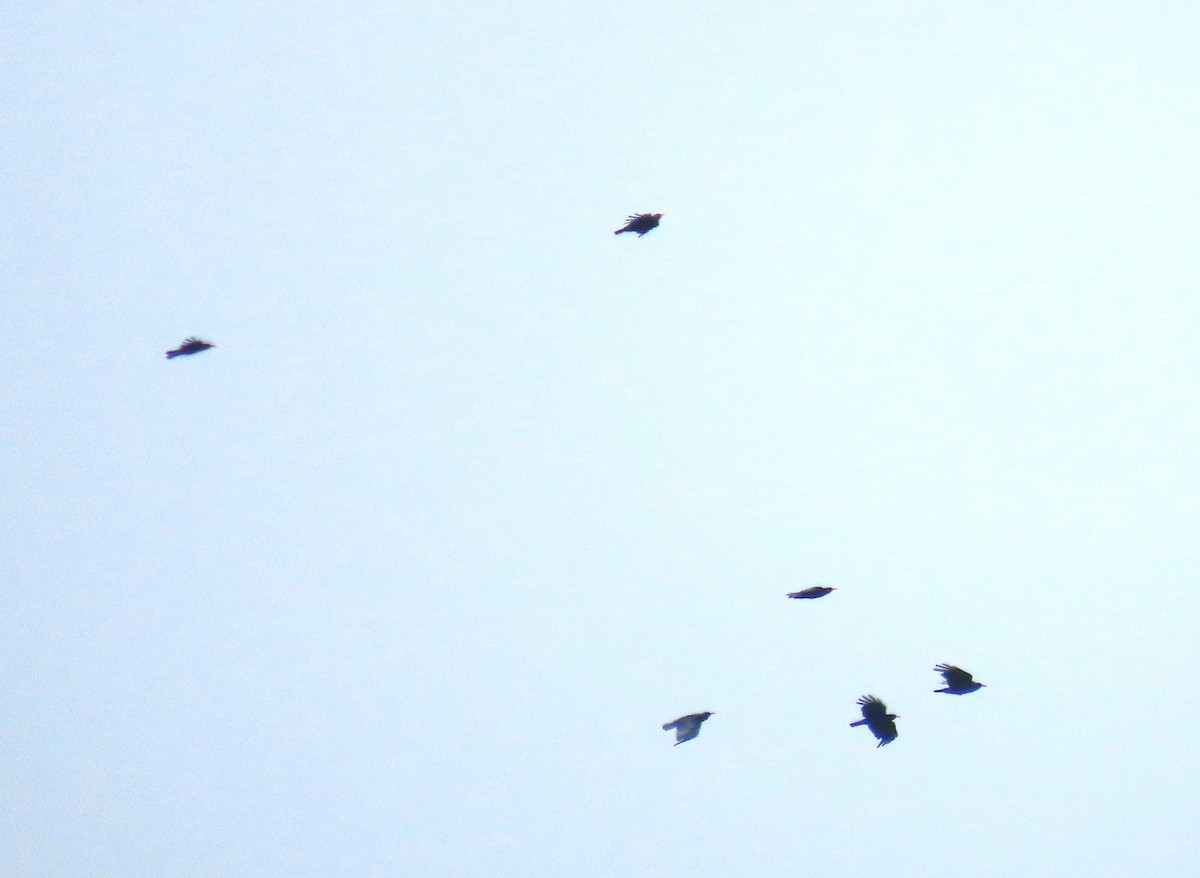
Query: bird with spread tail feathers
[
  {"x": 190, "y": 346},
  {"x": 958, "y": 681},
  {"x": 816, "y": 591},
  {"x": 640, "y": 223},
  {"x": 687, "y": 727},
  {"x": 876, "y": 718}
]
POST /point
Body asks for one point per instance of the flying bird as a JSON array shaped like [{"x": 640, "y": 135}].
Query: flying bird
[
  {"x": 958, "y": 681},
  {"x": 817, "y": 591},
  {"x": 640, "y": 223},
  {"x": 876, "y": 718},
  {"x": 687, "y": 727},
  {"x": 190, "y": 346}
]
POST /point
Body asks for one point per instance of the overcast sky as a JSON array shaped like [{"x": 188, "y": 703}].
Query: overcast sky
[{"x": 403, "y": 578}]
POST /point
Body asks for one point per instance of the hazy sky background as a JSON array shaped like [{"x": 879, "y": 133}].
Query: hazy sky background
[{"x": 403, "y": 577}]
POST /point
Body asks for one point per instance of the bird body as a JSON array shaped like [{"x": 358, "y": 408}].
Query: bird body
[
  {"x": 876, "y": 718},
  {"x": 687, "y": 727},
  {"x": 190, "y": 346},
  {"x": 816, "y": 591},
  {"x": 640, "y": 223},
  {"x": 958, "y": 681}
]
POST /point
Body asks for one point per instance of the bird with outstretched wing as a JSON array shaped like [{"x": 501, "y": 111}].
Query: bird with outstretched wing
[
  {"x": 640, "y": 223},
  {"x": 876, "y": 718},
  {"x": 190, "y": 346},
  {"x": 687, "y": 727},
  {"x": 816, "y": 591}
]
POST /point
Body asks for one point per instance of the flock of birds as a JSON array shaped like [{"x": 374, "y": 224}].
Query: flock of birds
[{"x": 875, "y": 714}]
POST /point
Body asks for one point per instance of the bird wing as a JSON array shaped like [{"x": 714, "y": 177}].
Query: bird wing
[
  {"x": 691, "y": 719},
  {"x": 955, "y": 677},
  {"x": 688, "y": 727},
  {"x": 872, "y": 708},
  {"x": 194, "y": 345}
]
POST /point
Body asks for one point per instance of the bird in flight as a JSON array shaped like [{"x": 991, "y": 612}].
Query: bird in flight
[
  {"x": 190, "y": 346},
  {"x": 687, "y": 727},
  {"x": 640, "y": 223},
  {"x": 958, "y": 681},
  {"x": 876, "y": 718},
  {"x": 817, "y": 591}
]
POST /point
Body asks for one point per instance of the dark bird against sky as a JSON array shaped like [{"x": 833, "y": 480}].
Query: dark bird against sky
[
  {"x": 816, "y": 591},
  {"x": 958, "y": 681},
  {"x": 190, "y": 346},
  {"x": 640, "y": 223},
  {"x": 687, "y": 727},
  {"x": 876, "y": 718}
]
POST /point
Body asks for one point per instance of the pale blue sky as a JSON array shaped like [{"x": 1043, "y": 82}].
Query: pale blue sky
[{"x": 403, "y": 578}]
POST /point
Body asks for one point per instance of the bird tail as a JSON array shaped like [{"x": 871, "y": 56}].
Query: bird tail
[
  {"x": 172, "y": 354},
  {"x": 668, "y": 726},
  {"x": 618, "y": 231},
  {"x": 861, "y": 722}
]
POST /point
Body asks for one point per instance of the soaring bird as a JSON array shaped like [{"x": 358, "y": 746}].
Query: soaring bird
[
  {"x": 190, "y": 346},
  {"x": 817, "y": 591},
  {"x": 876, "y": 718},
  {"x": 958, "y": 681},
  {"x": 687, "y": 727},
  {"x": 640, "y": 223}
]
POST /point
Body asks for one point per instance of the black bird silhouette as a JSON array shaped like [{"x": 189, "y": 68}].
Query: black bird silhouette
[
  {"x": 687, "y": 727},
  {"x": 958, "y": 681},
  {"x": 640, "y": 223},
  {"x": 190, "y": 346},
  {"x": 817, "y": 591},
  {"x": 876, "y": 718}
]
